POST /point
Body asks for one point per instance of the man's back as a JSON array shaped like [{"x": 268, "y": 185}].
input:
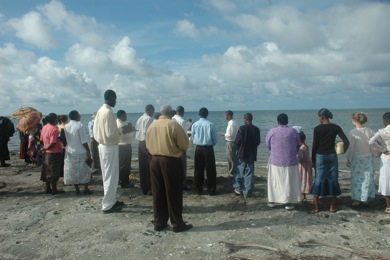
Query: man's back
[
  {"x": 204, "y": 133},
  {"x": 247, "y": 141},
  {"x": 166, "y": 138},
  {"x": 142, "y": 125},
  {"x": 104, "y": 129}
]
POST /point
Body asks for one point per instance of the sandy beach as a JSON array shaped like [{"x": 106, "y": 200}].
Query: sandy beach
[{"x": 35, "y": 225}]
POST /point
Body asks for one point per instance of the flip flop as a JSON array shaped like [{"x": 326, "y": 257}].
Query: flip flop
[
  {"x": 314, "y": 211},
  {"x": 333, "y": 210},
  {"x": 387, "y": 210}
]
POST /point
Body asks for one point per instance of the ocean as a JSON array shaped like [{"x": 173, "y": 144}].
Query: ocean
[{"x": 265, "y": 120}]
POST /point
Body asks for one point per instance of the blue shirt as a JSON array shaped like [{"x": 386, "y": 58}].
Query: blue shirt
[{"x": 203, "y": 132}]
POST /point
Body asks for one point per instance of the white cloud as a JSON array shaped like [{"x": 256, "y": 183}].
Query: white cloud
[
  {"x": 88, "y": 58},
  {"x": 28, "y": 81},
  {"x": 83, "y": 28},
  {"x": 267, "y": 55},
  {"x": 186, "y": 28},
  {"x": 222, "y": 6},
  {"x": 32, "y": 29}
]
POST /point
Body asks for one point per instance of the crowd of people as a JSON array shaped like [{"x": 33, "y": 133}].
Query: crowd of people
[{"x": 64, "y": 149}]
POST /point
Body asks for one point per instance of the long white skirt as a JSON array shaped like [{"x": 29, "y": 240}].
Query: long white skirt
[
  {"x": 76, "y": 170},
  {"x": 384, "y": 178},
  {"x": 284, "y": 185}
]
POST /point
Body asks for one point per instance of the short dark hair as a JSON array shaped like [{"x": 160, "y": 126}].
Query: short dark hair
[
  {"x": 149, "y": 107},
  {"x": 51, "y": 118},
  {"x": 62, "y": 119},
  {"x": 248, "y": 116},
  {"x": 229, "y": 112},
  {"x": 325, "y": 113},
  {"x": 282, "y": 119},
  {"x": 120, "y": 113},
  {"x": 109, "y": 93},
  {"x": 302, "y": 136},
  {"x": 203, "y": 112},
  {"x": 180, "y": 109},
  {"x": 386, "y": 116},
  {"x": 73, "y": 115}
]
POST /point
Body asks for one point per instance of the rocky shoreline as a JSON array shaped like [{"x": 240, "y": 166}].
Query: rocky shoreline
[{"x": 40, "y": 226}]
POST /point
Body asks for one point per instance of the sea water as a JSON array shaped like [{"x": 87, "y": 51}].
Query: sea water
[{"x": 265, "y": 120}]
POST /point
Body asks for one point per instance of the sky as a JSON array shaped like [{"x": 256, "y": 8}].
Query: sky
[{"x": 58, "y": 56}]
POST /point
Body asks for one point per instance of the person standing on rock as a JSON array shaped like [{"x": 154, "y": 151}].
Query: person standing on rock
[
  {"x": 231, "y": 149},
  {"x": 204, "y": 136},
  {"x": 141, "y": 126},
  {"x": 284, "y": 185},
  {"x": 106, "y": 133},
  {"x": 179, "y": 118},
  {"x": 247, "y": 140},
  {"x": 166, "y": 141},
  {"x": 52, "y": 155}
]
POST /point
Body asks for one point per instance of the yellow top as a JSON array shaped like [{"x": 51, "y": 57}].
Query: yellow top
[{"x": 166, "y": 137}]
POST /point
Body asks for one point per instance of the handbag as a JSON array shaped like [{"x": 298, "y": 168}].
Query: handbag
[{"x": 339, "y": 147}]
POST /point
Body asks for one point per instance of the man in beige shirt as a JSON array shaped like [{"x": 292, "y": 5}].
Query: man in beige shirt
[
  {"x": 106, "y": 133},
  {"x": 165, "y": 141}
]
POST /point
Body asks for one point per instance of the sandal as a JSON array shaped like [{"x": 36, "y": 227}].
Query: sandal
[
  {"x": 314, "y": 211},
  {"x": 333, "y": 210},
  {"x": 387, "y": 210}
]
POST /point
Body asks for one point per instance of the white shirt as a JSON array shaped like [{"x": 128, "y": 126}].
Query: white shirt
[
  {"x": 76, "y": 136},
  {"x": 142, "y": 125},
  {"x": 90, "y": 128},
  {"x": 358, "y": 142},
  {"x": 181, "y": 121},
  {"x": 105, "y": 130},
  {"x": 231, "y": 131},
  {"x": 124, "y": 139}
]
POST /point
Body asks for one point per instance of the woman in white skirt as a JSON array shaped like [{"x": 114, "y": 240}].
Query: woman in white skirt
[
  {"x": 284, "y": 185},
  {"x": 360, "y": 160},
  {"x": 77, "y": 154},
  {"x": 381, "y": 142}
]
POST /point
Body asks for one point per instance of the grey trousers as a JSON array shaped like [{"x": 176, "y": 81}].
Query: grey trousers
[{"x": 231, "y": 155}]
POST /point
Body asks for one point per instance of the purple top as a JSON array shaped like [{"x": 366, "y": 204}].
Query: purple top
[{"x": 283, "y": 141}]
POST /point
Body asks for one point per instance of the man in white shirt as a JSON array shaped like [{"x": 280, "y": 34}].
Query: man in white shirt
[
  {"x": 230, "y": 135},
  {"x": 125, "y": 151},
  {"x": 106, "y": 133},
  {"x": 93, "y": 146},
  {"x": 179, "y": 118},
  {"x": 143, "y": 159}
]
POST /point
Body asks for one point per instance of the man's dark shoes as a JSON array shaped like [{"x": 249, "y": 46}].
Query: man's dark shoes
[
  {"x": 186, "y": 188},
  {"x": 213, "y": 193},
  {"x": 160, "y": 227},
  {"x": 127, "y": 185},
  {"x": 182, "y": 228},
  {"x": 118, "y": 206}
]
